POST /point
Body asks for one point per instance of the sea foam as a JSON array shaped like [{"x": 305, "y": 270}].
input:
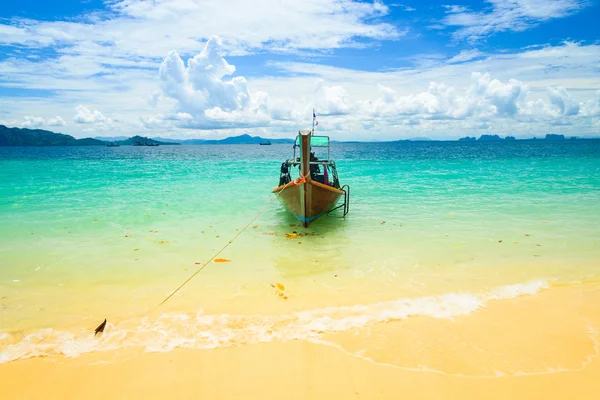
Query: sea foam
[{"x": 202, "y": 331}]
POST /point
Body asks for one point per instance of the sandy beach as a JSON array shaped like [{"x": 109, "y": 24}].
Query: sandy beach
[{"x": 543, "y": 346}]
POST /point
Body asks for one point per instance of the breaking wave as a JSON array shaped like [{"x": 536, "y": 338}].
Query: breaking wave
[{"x": 202, "y": 331}]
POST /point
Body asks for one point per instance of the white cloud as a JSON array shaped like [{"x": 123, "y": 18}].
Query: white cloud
[
  {"x": 332, "y": 100},
  {"x": 149, "y": 29},
  {"x": 560, "y": 98},
  {"x": 204, "y": 92},
  {"x": 57, "y": 121},
  {"x": 32, "y": 122},
  {"x": 466, "y": 55},
  {"x": 85, "y": 115},
  {"x": 485, "y": 98},
  {"x": 592, "y": 107},
  {"x": 403, "y": 7},
  {"x": 507, "y": 15}
]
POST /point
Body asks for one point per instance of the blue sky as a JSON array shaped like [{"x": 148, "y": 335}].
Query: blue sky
[{"x": 372, "y": 69}]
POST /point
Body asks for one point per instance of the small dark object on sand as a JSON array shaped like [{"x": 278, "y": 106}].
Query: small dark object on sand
[{"x": 100, "y": 328}]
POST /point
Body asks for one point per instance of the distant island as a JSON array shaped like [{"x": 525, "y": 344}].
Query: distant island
[
  {"x": 40, "y": 137},
  {"x": 241, "y": 139},
  {"x": 140, "y": 140},
  {"x": 495, "y": 138}
]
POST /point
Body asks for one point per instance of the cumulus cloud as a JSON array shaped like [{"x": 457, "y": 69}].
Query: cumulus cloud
[
  {"x": 57, "y": 121},
  {"x": 205, "y": 90},
  {"x": 560, "y": 98},
  {"x": 32, "y": 122},
  {"x": 592, "y": 107},
  {"x": 485, "y": 98},
  {"x": 332, "y": 100},
  {"x": 85, "y": 115},
  {"x": 208, "y": 93}
]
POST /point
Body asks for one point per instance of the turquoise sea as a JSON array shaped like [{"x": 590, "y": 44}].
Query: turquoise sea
[{"x": 88, "y": 233}]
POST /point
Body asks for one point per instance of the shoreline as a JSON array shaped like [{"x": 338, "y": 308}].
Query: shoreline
[{"x": 555, "y": 356}]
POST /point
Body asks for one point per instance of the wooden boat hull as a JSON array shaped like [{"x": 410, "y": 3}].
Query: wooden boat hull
[{"x": 308, "y": 200}]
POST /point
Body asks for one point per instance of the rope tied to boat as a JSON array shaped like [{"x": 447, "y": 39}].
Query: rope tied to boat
[
  {"x": 216, "y": 254},
  {"x": 299, "y": 181}
]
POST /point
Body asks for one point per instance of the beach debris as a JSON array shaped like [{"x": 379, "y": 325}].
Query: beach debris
[
  {"x": 255, "y": 226},
  {"x": 544, "y": 222},
  {"x": 166, "y": 205},
  {"x": 527, "y": 234},
  {"x": 135, "y": 249},
  {"x": 100, "y": 328},
  {"x": 197, "y": 263},
  {"x": 499, "y": 241},
  {"x": 296, "y": 235},
  {"x": 221, "y": 260},
  {"x": 94, "y": 221},
  {"x": 382, "y": 222},
  {"x": 299, "y": 242},
  {"x": 280, "y": 288},
  {"x": 539, "y": 245},
  {"x": 149, "y": 215}
]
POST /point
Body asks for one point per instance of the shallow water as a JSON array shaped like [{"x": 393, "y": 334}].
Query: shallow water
[{"x": 89, "y": 233}]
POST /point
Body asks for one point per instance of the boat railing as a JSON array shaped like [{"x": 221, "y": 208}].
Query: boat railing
[
  {"x": 328, "y": 162},
  {"x": 285, "y": 177}
]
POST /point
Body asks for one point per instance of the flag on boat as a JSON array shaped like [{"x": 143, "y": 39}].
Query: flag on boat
[{"x": 315, "y": 122}]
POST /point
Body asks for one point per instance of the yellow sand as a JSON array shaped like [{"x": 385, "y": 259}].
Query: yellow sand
[{"x": 543, "y": 346}]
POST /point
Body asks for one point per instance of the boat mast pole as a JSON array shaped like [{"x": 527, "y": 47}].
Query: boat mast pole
[
  {"x": 313, "y": 126},
  {"x": 305, "y": 154},
  {"x": 305, "y": 201}
]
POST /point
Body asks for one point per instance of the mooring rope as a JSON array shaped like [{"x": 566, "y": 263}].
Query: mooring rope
[{"x": 216, "y": 254}]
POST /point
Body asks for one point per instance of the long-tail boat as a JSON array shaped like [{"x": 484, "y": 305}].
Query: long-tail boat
[{"x": 314, "y": 193}]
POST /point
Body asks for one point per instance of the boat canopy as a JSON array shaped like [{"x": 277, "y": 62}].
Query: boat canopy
[{"x": 316, "y": 141}]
